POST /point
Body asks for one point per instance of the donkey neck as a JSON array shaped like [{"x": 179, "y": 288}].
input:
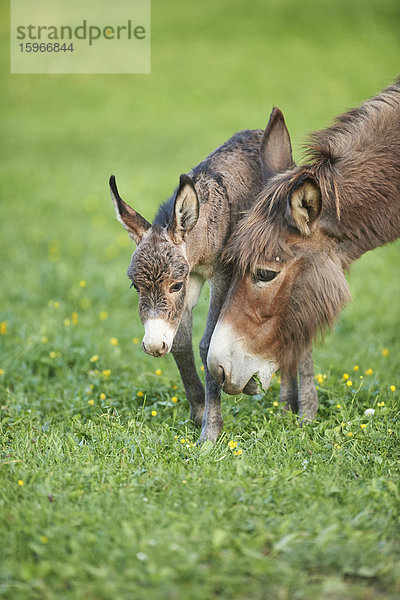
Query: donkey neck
[
  {"x": 365, "y": 206},
  {"x": 357, "y": 164}
]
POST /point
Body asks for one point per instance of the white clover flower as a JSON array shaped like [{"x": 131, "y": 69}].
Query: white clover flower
[
  {"x": 141, "y": 556},
  {"x": 369, "y": 412}
]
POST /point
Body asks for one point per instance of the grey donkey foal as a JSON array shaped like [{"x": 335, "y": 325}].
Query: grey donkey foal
[{"x": 182, "y": 249}]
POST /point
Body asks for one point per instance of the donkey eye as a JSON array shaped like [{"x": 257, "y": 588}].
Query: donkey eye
[
  {"x": 264, "y": 275},
  {"x": 135, "y": 286},
  {"x": 176, "y": 287}
]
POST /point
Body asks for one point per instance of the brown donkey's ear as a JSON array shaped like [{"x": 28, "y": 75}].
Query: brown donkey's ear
[
  {"x": 275, "y": 148},
  {"x": 186, "y": 210},
  {"x": 134, "y": 223},
  {"x": 303, "y": 205}
]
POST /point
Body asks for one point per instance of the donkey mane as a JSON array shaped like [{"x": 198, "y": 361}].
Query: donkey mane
[
  {"x": 355, "y": 163},
  {"x": 355, "y": 129},
  {"x": 259, "y": 236}
]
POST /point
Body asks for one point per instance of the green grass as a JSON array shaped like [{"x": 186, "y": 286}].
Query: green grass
[{"x": 113, "y": 505}]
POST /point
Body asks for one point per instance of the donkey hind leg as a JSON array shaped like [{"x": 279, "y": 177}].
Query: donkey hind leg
[
  {"x": 307, "y": 398},
  {"x": 212, "y": 420},
  {"x": 288, "y": 393},
  {"x": 182, "y": 351}
]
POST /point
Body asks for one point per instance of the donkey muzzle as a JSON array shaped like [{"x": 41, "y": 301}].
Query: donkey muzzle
[
  {"x": 158, "y": 337},
  {"x": 231, "y": 364}
]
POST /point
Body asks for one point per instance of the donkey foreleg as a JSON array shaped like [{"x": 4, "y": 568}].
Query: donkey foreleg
[
  {"x": 288, "y": 393},
  {"x": 212, "y": 419},
  {"x": 307, "y": 398},
  {"x": 182, "y": 351}
]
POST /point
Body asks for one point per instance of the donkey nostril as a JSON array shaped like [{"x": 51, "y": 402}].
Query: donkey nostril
[
  {"x": 164, "y": 347},
  {"x": 221, "y": 375}
]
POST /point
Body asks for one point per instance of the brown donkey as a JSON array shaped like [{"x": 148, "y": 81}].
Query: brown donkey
[
  {"x": 308, "y": 224},
  {"x": 181, "y": 249}
]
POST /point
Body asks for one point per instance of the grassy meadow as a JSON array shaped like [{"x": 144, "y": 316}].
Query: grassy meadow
[{"x": 104, "y": 493}]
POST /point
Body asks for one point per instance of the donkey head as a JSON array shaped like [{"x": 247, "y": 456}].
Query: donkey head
[
  {"x": 288, "y": 284},
  {"x": 159, "y": 269}
]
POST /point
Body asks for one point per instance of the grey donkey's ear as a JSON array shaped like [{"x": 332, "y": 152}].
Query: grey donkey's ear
[
  {"x": 134, "y": 223},
  {"x": 275, "y": 148},
  {"x": 186, "y": 210}
]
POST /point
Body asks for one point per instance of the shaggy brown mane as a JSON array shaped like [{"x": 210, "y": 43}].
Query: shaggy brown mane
[
  {"x": 353, "y": 130},
  {"x": 260, "y": 232},
  {"x": 359, "y": 142}
]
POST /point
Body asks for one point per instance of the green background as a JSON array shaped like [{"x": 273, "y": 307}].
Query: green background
[{"x": 215, "y": 524}]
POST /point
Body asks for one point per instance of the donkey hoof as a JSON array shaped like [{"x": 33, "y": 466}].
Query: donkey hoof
[
  {"x": 210, "y": 433},
  {"x": 306, "y": 418}
]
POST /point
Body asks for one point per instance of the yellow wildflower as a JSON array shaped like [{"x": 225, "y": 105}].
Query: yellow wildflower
[
  {"x": 135, "y": 340},
  {"x": 94, "y": 358},
  {"x": 363, "y": 425},
  {"x": 67, "y": 322},
  {"x": 202, "y": 367},
  {"x": 114, "y": 341},
  {"x": 2, "y": 371},
  {"x": 350, "y": 433},
  {"x": 392, "y": 388},
  {"x": 44, "y": 539},
  {"x": 337, "y": 446},
  {"x": 103, "y": 314},
  {"x": 232, "y": 444},
  {"x": 52, "y": 354},
  {"x": 45, "y": 339},
  {"x": 319, "y": 378},
  {"x": 82, "y": 283},
  {"x": 338, "y": 406},
  {"x": 275, "y": 403},
  {"x": 174, "y": 387},
  {"x": 342, "y": 424},
  {"x": 349, "y": 382},
  {"x": 346, "y": 376},
  {"x": 356, "y": 367},
  {"x": 3, "y": 327},
  {"x": 140, "y": 394},
  {"x": 158, "y": 372},
  {"x": 74, "y": 318},
  {"x": 56, "y": 305},
  {"x": 385, "y": 352},
  {"x": 183, "y": 440},
  {"x": 174, "y": 399},
  {"x": 380, "y": 404},
  {"x": 368, "y": 372},
  {"x": 106, "y": 372},
  {"x": 238, "y": 452},
  {"x": 102, "y": 396},
  {"x": 91, "y": 402},
  {"x": 153, "y": 413},
  {"x": 20, "y": 482}
]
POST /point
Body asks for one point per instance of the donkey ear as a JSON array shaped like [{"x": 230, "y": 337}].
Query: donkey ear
[
  {"x": 275, "y": 148},
  {"x": 303, "y": 205},
  {"x": 134, "y": 223},
  {"x": 186, "y": 209}
]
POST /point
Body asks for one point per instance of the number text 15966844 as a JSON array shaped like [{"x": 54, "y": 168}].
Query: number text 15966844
[{"x": 45, "y": 47}]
